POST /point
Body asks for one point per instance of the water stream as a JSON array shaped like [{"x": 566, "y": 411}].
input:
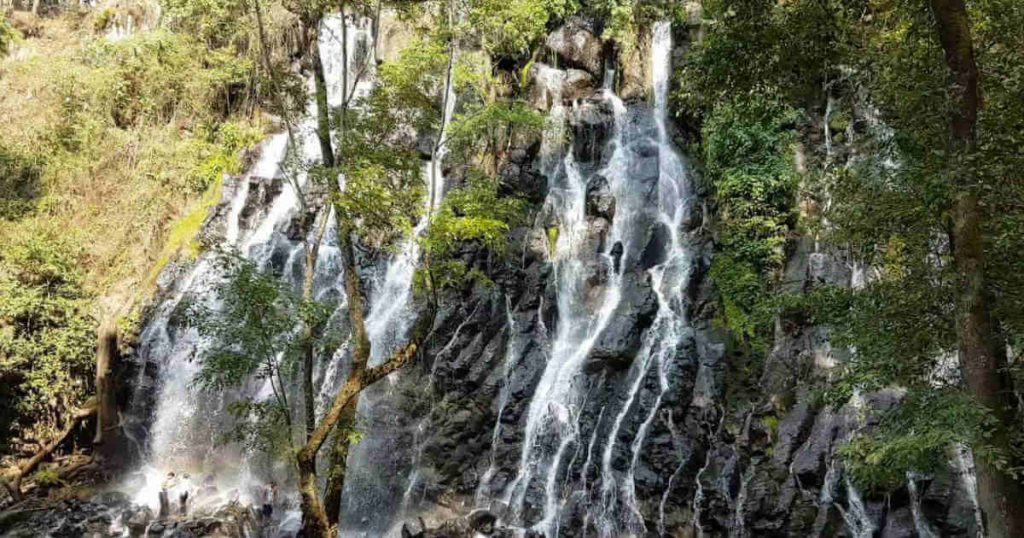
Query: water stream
[
  {"x": 186, "y": 425},
  {"x": 572, "y": 418}
]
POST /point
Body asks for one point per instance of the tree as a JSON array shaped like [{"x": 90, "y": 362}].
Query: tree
[
  {"x": 276, "y": 334},
  {"x": 913, "y": 179},
  {"x": 982, "y": 350},
  {"x": 7, "y": 36},
  {"x": 45, "y": 346}
]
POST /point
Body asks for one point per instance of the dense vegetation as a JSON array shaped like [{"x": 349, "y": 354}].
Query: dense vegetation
[
  {"x": 115, "y": 145},
  {"x": 907, "y": 171},
  {"x": 857, "y": 124}
]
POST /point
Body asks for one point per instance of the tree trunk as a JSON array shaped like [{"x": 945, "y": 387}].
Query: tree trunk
[
  {"x": 309, "y": 332},
  {"x": 107, "y": 423},
  {"x": 323, "y": 118},
  {"x": 314, "y": 519},
  {"x": 338, "y": 462},
  {"x": 982, "y": 358},
  {"x": 315, "y": 523}
]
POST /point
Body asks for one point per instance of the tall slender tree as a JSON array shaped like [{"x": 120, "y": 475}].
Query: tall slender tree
[{"x": 982, "y": 351}]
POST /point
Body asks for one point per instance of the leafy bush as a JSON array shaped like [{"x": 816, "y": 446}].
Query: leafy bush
[
  {"x": 916, "y": 436},
  {"x": 514, "y": 27},
  {"x": 491, "y": 128},
  {"x": 46, "y": 332},
  {"x": 746, "y": 150},
  {"x": 7, "y": 35},
  {"x": 156, "y": 76},
  {"x": 19, "y": 183},
  {"x": 46, "y": 476}
]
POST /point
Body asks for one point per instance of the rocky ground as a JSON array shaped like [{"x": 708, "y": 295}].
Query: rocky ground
[{"x": 111, "y": 514}]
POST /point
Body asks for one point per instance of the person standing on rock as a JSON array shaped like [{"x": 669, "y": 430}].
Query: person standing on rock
[
  {"x": 183, "y": 492},
  {"x": 165, "y": 487},
  {"x": 269, "y": 499}
]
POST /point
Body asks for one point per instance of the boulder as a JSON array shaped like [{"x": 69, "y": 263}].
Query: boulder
[
  {"x": 578, "y": 85},
  {"x": 600, "y": 200},
  {"x": 621, "y": 338},
  {"x": 482, "y": 521},
  {"x": 549, "y": 84},
  {"x": 578, "y": 46}
]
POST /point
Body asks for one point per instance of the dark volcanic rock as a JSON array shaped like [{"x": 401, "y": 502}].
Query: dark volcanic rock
[
  {"x": 600, "y": 200},
  {"x": 73, "y": 518},
  {"x": 620, "y": 340}
]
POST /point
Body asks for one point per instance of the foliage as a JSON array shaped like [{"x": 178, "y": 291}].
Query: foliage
[
  {"x": 19, "y": 183},
  {"x": 749, "y": 82},
  {"x": 919, "y": 434},
  {"x": 118, "y": 137},
  {"x": 383, "y": 180},
  {"x": 106, "y": 145},
  {"x": 623, "y": 20},
  {"x": 46, "y": 332},
  {"x": 512, "y": 28},
  {"x": 746, "y": 152},
  {"x": 409, "y": 90},
  {"x": 8, "y": 35},
  {"x": 475, "y": 212},
  {"x": 250, "y": 330},
  {"x": 491, "y": 128},
  {"x": 885, "y": 195},
  {"x": 46, "y": 476},
  {"x": 154, "y": 77},
  {"x": 260, "y": 426},
  {"x": 218, "y": 23},
  {"x": 254, "y": 334},
  {"x": 759, "y": 48}
]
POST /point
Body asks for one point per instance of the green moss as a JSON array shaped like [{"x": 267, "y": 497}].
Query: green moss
[
  {"x": 46, "y": 477},
  {"x": 8, "y": 35},
  {"x": 183, "y": 237},
  {"x": 552, "y": 238},
  {"x": 771, "y": 422},
  {"x": 101, "y": 21}
]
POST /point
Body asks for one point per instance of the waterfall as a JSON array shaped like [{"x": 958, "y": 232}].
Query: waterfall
[
  {"x": 186, "y": 424},
  {"x": 963, "y": 463},
  {"x": 668, "y": 281},
  {"x": 587, "y": 425},
  {"x": 921, "y": 525},
  {"x": 548, "y": 414},
  {"x": 377, "y": 464},
  {"x": 483, "y": 488},
  {"x": 560, "y": 425}
]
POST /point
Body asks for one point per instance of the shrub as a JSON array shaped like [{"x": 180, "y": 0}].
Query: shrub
[{"x": 46, "y": 332}]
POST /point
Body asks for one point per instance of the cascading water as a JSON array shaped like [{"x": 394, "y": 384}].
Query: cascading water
[
  {"x": 503, "y": 395},
  {"x": 187, "y": 424},
  {"x": 561, "y": 430},
  {"x": 668, "y": 278},
  {"x": 368, "y": 502}
]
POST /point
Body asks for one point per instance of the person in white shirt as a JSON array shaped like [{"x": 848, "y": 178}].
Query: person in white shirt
[
  {"x": 169, "y": 483},
  {"x": 269, "y": 500}
]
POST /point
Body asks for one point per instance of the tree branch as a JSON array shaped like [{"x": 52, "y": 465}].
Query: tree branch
[{"x": 13, "y": 484}]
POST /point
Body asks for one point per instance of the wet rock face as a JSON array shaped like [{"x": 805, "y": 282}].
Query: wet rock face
[
  {"x": 769, "y": 469},
  {"x": 549, "y": 84},
  {"x": 578, "y": 46},
  {"x": 600, "y": 200},
  {"x": 620, "y": 341}
]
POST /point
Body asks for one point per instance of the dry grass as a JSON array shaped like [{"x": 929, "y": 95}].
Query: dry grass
[{"x": 117, "y": 191}]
